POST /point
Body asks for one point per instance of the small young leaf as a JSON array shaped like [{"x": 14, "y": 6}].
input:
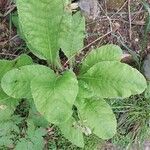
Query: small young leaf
[
  {"x": 33, "y": 141},
  {"x": 55, "y": 96},
  {"x": 147, "y": 91},
  {"x": 7, "y": 133},
  {"x": 110, "y": 79},
  {"x": 24, "y": 144},
  {"x": 15, "y": 21},
  {"x": 72, "y": 133},
  {"x": 98, "y": 116},
  {"x": 16, "y": 82},
  {"x": 107, "y": 52},
  {"x": 22, "y": 60},
  {"x": 6, "y": 141},
  {"x": 37, "y": 138},
  {"x": 37, "y": 118}
]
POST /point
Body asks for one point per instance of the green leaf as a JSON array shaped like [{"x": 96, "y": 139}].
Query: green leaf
[
  {"x": 14, "y": 18},
  {"x": 24, "y": 144},
  {"x": 6, "y": 127},
  {"x": 146, "y": 67},
  {"x": 107, "y": 52},
  {"x": 8, "y": 101},
  {"x": 110, "y": 79},
  {"x": 5, "y": 113},
  {"x": 72, "y": 34},
  {"x": 98, "y": 116},
  {"x": 7, "y": 65},
  {"x": 36, "y": 117},
  {"x": 37, "y": 139},
  {"x": 33, "y": 141},
  {"x": 6, "y": 141},
  {"x": 40, "y": 22},
  {"x": 72, "y": 133},
  {"x": 15, "y": 21},
  {"x": 8, "y": 131},
  {"x": 55, "y": 95},
  {"x": 84, "y": 90},
  {"x": 16, "y": 82},
  {"x": 22, "y": 60},
  {"x": 147, "y": 91},
  {"x": 147, "y": 26}
]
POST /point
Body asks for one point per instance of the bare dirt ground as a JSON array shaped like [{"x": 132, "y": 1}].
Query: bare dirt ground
[
  {"x": 10, "y": 43},
  {"x": 121, "y": 22}
]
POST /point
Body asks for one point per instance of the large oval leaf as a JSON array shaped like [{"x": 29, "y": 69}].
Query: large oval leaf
[
  {"x": 16, "y": 82},
  {"x": 40, "y": 22},
  {"x": 54, "y": 97},
  {"x": 110, "y": 79},
  {"x": 107, "y": 52},
  {"x": 72, "y": 133},
  {"x": 98, "y": 116}
]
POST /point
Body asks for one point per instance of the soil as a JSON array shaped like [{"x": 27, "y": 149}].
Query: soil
[{"x": 124, "y": 20}]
